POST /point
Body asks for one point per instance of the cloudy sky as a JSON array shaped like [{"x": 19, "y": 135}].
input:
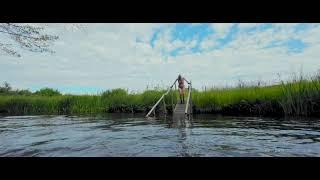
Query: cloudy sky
[{"x": 134, "y": 56}]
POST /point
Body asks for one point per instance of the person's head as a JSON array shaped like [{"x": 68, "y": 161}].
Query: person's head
[{"x": 179, "y": 77}]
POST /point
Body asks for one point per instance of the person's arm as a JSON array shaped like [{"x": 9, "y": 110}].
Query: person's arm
[
  {"x": 186, "y": 80},
  {"x": 174, "y": 82}
]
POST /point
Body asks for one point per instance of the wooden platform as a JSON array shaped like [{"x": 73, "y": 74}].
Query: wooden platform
[{"x": 179, "y": 109}]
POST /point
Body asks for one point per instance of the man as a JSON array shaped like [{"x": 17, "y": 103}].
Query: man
[{"x": 181, "y": 87}]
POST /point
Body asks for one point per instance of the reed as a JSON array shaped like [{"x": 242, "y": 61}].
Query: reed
[{"x": 299, "y": 96}]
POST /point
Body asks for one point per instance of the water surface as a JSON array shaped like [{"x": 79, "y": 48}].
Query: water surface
[{"x": 133, "y": 135}]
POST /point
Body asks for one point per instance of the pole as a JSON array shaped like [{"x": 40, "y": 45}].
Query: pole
[
  {"x": 172, "y": 100},
  {"x": 191, "y": 98},
  {"x": 164, "y": 106}
]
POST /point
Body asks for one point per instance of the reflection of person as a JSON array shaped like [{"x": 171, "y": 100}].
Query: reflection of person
[{"x": 181, "y": 87}]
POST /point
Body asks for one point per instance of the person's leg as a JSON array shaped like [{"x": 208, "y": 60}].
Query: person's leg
[
  {"x": 180, "y": 93},
  {"x": 183, "y": 95}
]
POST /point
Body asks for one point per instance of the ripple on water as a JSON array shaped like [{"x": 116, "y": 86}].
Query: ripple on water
[{"x": 121, "y": 135}]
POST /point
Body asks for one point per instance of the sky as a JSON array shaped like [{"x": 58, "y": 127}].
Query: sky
[{"x": 136, "y": 56}]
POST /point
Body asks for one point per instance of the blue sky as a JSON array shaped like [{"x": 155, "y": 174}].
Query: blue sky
[
  {"x": 186, "y": 32},
  {"x": 134, "y": 56}
]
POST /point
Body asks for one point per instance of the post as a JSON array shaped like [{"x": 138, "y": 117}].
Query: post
[
  {"x": 164, "y": 106},
  {"x": 172, "y": 101},
  {"x": 175, "y": 90},
  {"x": 188, "y": 100},
  {"x": 191, "y": 98}
]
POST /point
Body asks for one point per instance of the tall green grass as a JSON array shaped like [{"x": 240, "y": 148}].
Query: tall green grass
[
  {"x": 117, "y": 100},
  {"x": 297, "y": 97},
  {"x": 219, "y": 98},
  {"x": 301, "y": 96}
]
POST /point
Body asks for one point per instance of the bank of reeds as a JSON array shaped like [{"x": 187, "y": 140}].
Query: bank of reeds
[{"x": 298, "y": 97}]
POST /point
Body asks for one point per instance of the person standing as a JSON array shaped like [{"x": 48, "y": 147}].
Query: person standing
[{"x": 181, "y": 87}]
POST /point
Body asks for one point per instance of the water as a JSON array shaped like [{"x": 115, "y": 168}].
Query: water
[{"x": 133, "y": 135}]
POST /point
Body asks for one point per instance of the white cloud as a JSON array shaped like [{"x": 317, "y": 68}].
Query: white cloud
[
  {"x": 310, "y": 36},
  {"x": 221, "y": 29},
  {"x": 109, "y": 56},
  {"x": 207, "y": 44},
  {"x": 246, "y": 26}
]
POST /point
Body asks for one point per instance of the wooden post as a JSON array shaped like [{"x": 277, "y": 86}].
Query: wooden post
[
  {"x": 187, "y": 110},
  {"x": 191, "y": 98},
  {"x": 164, "y": 106},
  {"x": 172, "y": 101}
]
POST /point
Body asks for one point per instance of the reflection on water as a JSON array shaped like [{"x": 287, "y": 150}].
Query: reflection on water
[{"x": 134, "y": 135}]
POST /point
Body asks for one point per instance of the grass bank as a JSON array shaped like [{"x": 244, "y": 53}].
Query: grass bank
[
  {"x": 298, "y": 97},
  {"x": 117, "y": 100}
]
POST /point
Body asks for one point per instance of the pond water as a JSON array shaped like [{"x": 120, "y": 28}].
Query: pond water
[{"x": 133, "y": 135}]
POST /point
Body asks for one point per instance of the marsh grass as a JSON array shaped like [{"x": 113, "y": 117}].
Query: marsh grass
[
  {"x": 219, "y": 98},
  {"x": 299, "y": 96}
]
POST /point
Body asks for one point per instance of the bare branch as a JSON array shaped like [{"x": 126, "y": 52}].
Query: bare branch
[
  {"x": 30, "y": 37},
  {"x": 7, "y": 50}
]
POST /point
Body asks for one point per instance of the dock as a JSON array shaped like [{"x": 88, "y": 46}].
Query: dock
[{"x": 180, "y": 109}]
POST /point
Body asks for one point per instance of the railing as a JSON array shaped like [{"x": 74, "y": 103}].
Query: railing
[
  {"x": 187, "y": 110},
  {"x": 154, "y": 107},
  {"x": 188, "y": 104}
]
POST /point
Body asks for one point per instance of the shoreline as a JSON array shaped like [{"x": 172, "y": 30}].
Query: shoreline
[
  {"x": 297, "y": 98},
  {"x": 256, "y": 108}
]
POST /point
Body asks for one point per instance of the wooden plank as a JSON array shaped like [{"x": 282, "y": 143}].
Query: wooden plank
[
  {"x": 188, "y": 100},
  {"x": 179, "y": 109},
  {"x": 154, "y": 106}
]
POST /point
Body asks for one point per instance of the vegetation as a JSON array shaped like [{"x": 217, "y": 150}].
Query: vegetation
[
  {"x": 298, "y": 97},
  {"x": 6, "y": 89},
  {"x": 47, "y": 92}
]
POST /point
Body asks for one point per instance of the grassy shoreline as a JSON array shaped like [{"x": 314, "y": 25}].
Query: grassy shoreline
[{"x": 298, "y": 97}]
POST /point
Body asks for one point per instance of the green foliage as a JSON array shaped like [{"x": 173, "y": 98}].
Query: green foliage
[
  {"x": 47, "y": 92},
  {"x": 219, "y": 98},
  {"x": 299, "y": 97},
  {"x": 24, "y": 92},
  {"x": 6, "y": 88}
]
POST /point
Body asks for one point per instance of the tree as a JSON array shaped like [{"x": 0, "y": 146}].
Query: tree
[
  {"x": 5, "y": 88},
  {"x": 31, "y": 37},
  {"x": 47, "y": 92}
]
